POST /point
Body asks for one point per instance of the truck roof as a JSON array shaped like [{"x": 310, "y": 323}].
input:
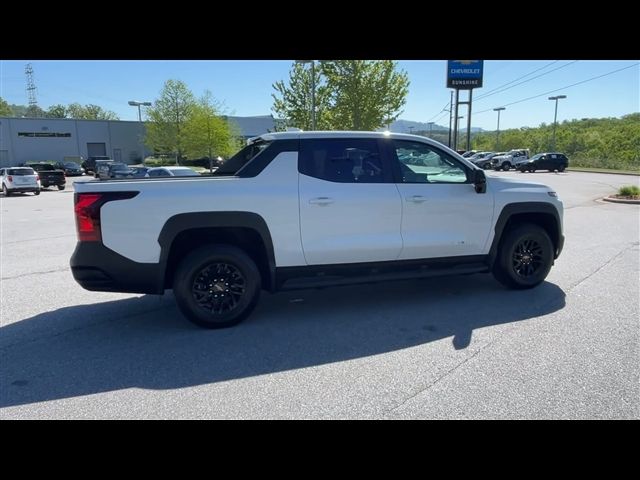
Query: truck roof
[{"x": 337, "y": 134}]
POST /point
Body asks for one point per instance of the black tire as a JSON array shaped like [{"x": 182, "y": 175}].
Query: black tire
[
  {"x": 37, "y": 192},
  {"x": 61, "y": 187},
  {"x": 6, "y": 192},
  {"x": 229, "y": 282},
  {"x": 506, "y": 166},
  {"x": 561, "y": 169},
  {"x": 525, "y": 256}
]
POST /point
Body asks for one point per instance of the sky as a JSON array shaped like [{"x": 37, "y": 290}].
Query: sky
[{"x": 245, "y": 87}]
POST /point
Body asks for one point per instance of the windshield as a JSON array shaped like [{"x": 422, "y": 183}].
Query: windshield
[
  {"x": 71, "y": 165},
  {"x": 118, "y": 166},
  {"x": 240, "y": 159},
  {"x": 20, "y": 171},
  {"x": 535, "y": 157}
]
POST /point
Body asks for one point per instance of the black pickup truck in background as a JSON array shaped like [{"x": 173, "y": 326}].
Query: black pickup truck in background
[
  {"x": 89, "y": 164},
  {"x": 49, "y": 175}
]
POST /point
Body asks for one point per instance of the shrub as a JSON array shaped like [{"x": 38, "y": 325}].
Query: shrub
[{"x": 629, "y": 191}]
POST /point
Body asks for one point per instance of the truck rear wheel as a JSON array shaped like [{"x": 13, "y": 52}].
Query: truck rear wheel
[
  {"x": 524, "y": 258},
  {"x": 217, "y": 286}
]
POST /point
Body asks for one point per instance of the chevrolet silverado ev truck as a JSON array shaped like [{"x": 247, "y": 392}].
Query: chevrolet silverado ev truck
[{"x": 312, "y": 209}]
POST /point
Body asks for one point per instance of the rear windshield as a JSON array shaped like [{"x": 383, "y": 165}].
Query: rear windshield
[
  {"x": 44, "y": 166},
  {"x": 240, "y": 159},
  {"x": 20, "y": 171}
]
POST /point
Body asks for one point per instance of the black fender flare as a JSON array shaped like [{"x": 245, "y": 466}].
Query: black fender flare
[
  {"x": 187, "y": 221},
  {"x": 512, "y": 209}
]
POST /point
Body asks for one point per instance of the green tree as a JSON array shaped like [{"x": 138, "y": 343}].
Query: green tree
[
  {"x": 292, "y": 102},
  {"x": 89, "y": 112},
  {"x": 34, "y": 111},
  {"x": 206, "y": 133},
  {"x": 588, "y": 142},
  {"x": 5, "y": 109},
  {"x": 57, "y": 111},
  {"x": 364, "y": 94},
  {"x": 168, "y": 117}
]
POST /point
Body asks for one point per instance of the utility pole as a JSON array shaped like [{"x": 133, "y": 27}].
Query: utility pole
[
  {"x": 499, "y": 109},
  {"x": 555, "y": 118},
  {"x": 450, "y": 119},
  {"x": 430, "y": 127}
]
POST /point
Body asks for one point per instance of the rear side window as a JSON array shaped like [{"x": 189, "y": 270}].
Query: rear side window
[
  {"x": 343, "y": 160},
  {"x": 243, "y": 157},
  {"x": 20, "y": 171}
]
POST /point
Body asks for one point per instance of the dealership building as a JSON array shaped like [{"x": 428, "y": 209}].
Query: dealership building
[{"x": 46, "y": 139}]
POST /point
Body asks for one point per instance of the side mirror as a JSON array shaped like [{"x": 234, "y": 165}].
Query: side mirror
[{"x": 479, "y": 181}]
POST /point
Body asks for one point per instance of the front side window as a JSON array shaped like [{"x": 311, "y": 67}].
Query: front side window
[
  {"x": 422, "y": 163},
  {"x": 343, "y": 160}
]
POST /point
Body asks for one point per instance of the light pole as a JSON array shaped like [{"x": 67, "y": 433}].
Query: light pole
[
  {"x": 313, "y": 91},
  {"x": 555, "y": 118},
  {"x": 499, "y": 109},
  {"x": 458, "y": 118},
  {"x": 133, "y": 103}
]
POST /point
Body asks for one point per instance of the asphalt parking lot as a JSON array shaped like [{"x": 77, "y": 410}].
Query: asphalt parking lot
[{"x": 454, "y": 347}]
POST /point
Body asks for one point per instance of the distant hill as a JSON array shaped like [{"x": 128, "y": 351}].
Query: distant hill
[{"x": 408, "y": 126}]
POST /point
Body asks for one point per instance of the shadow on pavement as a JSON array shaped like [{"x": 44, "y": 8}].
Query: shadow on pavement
[{"x": 146, "y": 343}]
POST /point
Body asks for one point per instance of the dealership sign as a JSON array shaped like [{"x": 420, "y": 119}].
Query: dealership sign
[{"x": 464, "y": 74}]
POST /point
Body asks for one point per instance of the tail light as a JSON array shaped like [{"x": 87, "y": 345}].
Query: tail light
[
  {"x": 37, "y": 178},
  {"x": 10, "y": 178},
  {"x": 87, "y": 212}
]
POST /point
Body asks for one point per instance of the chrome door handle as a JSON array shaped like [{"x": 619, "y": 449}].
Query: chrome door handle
[
  {"x": 416, "y": 199},
  {"x": 321, "y": 201}
]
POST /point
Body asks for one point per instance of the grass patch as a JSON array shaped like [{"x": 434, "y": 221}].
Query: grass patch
[{"x": 629, "y": 191}]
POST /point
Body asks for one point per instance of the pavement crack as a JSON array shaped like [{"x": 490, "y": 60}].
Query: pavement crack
[
  {"x": 38, "y": 239},
  {"x": 608, "y": 262},
  {"x": 79, "y": 328},
  {"x": 445, "y": 374},
  {"x": 35, "y": 273}
]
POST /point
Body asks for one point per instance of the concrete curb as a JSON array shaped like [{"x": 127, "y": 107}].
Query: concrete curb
[
  {"x": 621, "y": 200},
  {"x": 612, "y": 172}
]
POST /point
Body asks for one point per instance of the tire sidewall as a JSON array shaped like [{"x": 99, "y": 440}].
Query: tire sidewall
[{"x": 191, "y": 266}]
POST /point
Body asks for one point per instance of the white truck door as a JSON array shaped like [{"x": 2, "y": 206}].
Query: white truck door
[
  {"x": 350, "y": 209},
  {"x": 443, "y": 216}
]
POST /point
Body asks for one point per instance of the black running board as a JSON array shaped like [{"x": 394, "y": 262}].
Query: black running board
[{"x": 323, "y": 281}]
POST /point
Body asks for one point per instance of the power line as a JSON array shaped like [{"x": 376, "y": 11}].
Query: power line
[
  {"x": 519, "y": 78},
  {"x": 443, "y": 109},
  {"x": 561, "y": 88},
  {"x": 525, "y": 81}
]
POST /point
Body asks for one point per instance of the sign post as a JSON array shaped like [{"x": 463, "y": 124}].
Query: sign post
[{"x": 464, "y": 75}]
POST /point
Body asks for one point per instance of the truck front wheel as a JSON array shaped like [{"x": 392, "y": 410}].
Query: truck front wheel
[
  {"x": 217, "y": 286},
  {"x": 524, "y": 257}
]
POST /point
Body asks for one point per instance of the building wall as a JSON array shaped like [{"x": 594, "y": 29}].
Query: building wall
[{"x": 44, "y": 139}]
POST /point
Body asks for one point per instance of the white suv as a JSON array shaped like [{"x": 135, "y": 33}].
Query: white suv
[{"x": 19, "y": 180}]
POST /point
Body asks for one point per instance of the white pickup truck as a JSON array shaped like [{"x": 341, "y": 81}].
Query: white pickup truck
[
  {"x": 511, "y": 159},
  {"x": 312, "y": 209}
]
